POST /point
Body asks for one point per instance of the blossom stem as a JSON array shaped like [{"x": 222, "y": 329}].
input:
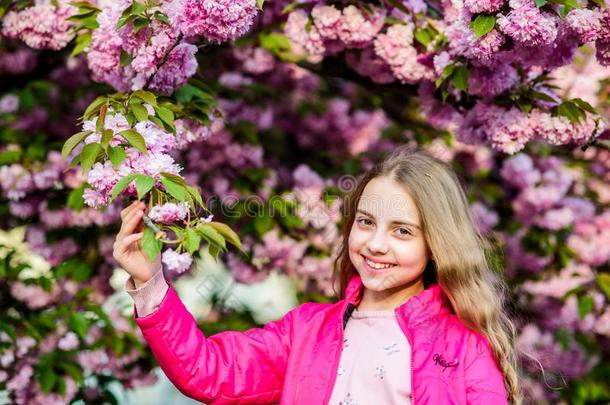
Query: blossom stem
[{"x": 165, "y": 57}]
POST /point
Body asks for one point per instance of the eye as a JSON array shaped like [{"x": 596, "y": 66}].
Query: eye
[
  {"x": 364, "y": 221},
  {"x": 405, "y": 231}
]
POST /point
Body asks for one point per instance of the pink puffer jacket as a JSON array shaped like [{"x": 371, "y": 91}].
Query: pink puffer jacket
[{"x": 294, "y": 360}]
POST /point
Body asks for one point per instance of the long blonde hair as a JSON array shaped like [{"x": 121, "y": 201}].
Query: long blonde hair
[{"x": 459, "y": 254}]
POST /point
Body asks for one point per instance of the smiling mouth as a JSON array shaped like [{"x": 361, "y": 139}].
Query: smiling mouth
[{"x": 377, "y": 266}]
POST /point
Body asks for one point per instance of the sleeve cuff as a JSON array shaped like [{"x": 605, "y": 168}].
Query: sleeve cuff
[{"x": 148, "y": 296}]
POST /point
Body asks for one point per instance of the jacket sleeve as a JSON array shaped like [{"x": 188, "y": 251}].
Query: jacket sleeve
[
  {"x": 484, "y": 380},
  {"x": 226, "y": 368}
]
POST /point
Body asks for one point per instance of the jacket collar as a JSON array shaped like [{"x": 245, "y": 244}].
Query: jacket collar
[{"x": 428, "y": 304}]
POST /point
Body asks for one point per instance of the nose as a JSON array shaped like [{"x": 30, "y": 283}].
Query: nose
[{"x": 378, "y": 243}]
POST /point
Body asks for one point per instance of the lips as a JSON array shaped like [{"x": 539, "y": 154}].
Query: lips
[
  {"x": 371, "y": 270},
  {"x": 375, "y": 266}
]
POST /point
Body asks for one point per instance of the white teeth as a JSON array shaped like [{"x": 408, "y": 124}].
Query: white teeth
[{"x": 378, "y": 265}]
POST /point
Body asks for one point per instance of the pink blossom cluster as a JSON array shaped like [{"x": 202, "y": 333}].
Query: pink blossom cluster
[
  {"x": 169, "y": 213},
  {"x": 332, "y": 30},
  {"x": 16, "y": 181},
  {"x": 278, "y": 252},
  {"x": 542, "y": 199},
  {"x": 155, "y": 51},
  {"x": 395, "y": 47},
  {"x": 541, "y": 346},
  {"x": 528, "y": 25},
  {"x": 483, "y": 6},
  {"x": 341, "y": 130},
  {"x": 19, "y": 61},
  {"x": 9, "y": 103},
  {"x": 215, "y": 20},
  {"x": 255, "y": 60},
  {"x": 510, "y": 130},
  {"x": 42, "y": 26},
  {"x": 103, "y": 176},
  {"x": 176, "y": 263},
  {"x": 591, "y": 239},
  {"x": 484, "y": 217}
]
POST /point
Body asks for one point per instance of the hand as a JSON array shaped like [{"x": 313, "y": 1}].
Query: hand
[{"x": 127, "y": 250}]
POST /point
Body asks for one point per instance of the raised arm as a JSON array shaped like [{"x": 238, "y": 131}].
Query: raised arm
[{"x": 225, "y": 368}]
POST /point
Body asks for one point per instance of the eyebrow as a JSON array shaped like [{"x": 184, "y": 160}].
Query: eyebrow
[{"x": 393, "y": 222}]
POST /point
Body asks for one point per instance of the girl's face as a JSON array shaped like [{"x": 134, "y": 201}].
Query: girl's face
[{"x": 387, "y": 231}]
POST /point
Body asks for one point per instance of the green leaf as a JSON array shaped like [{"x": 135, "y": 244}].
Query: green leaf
[
  {"x": 166, "y": 115},
  {"x": 227, "y": 233},
  {"x": 74, "y": 140},
  {"x": 10, "y": 156},
  {"x": 89, "y": 155},
  {"x": 193, "y": 240},
  {"x": 139, "y": 111},
  {"x": 151, "y": 246},
  {"x": 175, "y": 178},
  {"x": 585, "y": 305},
  {"x": 423, "y": 36},
  {"x": 121, "y": 185},
  {"x": 175, "y": 190},
  {"x": 262, "y": 224},
  {"x": 139, "y": 23},
  {"x": 211, "y": 234},
  {"x": 79, "y": 324},
  {"x": 259, "y": 4},
  {"x": 125, "y": 58},
  {"x": 603, "y": 281},
  {"x": 274, "y": 42},
  {"x": 94, "y": 107},
  {"x": 568, "y": 5},
  {"x": 47, "y": 379},
  {"x": 73, "y": 369},
  {"x": 137, "y": 7},
  {"x": 460, "y": 78},
  {"x": 540, "y": 3},
  {"x": 82, "y": 42},
  {"x": 75, "y": 198},
  {"x": 541, "y": 96},
  {"x": 75, "y": 160},
  {"x": 106, "y": 137},
  {"x": 143, "y": 185},
  {"x": 159, "y": 16},
  {"x": 135, "y": 139},
  {"x": 570, "y": 111},
  {"x": 118, "y": 345},
  {"x": 146, "y": 96},
  {"x": 483, "y": 24},
  {"x": 524, "y": 105},
  {"x": 117, "y": 155},
  {"x": 195, "y": 194},
  {"x": 584, "y": 105}
]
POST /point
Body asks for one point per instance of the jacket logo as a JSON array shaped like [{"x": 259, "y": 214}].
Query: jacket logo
[{"x": 440, "y": 361}]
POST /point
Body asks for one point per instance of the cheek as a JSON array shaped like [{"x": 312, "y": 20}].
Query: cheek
[
  {"x": 356, "y": 240},
  {"x": 412, "y": 254}
]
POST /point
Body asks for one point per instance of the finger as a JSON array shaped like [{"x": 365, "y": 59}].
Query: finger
[
  {"x": 134, "y": 237},
  {"x": 125, "y": 211},
  {"x": 130, "y": 223},
  {"x": 133, "y": 206}
]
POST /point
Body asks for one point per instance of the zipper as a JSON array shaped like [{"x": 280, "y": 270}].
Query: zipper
[
  {"x": 335, "y": 366},
  {"x": 411, "y": 357}
]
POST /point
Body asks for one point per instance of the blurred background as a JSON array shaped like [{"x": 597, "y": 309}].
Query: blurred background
[{"x": 280, "y": 107}]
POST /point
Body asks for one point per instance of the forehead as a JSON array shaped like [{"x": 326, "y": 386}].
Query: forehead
[{"x": 385, "y": 198}]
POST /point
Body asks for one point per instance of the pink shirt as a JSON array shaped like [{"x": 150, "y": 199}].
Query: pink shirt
[{"x": 375, "y": 365}]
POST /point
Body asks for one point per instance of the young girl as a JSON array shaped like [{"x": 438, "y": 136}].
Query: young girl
[{"x": 420, "y": 318}]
